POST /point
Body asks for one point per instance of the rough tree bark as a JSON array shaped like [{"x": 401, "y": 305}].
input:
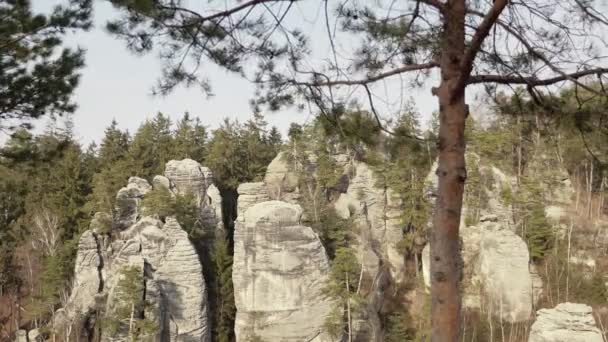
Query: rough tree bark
[{"x": 445, "y": 247}]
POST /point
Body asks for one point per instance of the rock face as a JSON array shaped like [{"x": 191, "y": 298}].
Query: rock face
[
  {"x": 161, "y": 251},
  {"x": 128, "y": 200},
  {"x": 279, "y": 179},
  {"x": 496, "y": 260},
  {"x": 279, "y": 271},
  {"x": 189, "y": 177},
  {"x": 503, "y": 270},
  {"x": 377, "y": 215},
  {"x": 249, "y": 195},
  {"x": 567, "y": 322}
]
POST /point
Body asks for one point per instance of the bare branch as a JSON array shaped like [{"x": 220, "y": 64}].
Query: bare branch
[
  {"x": 532, "y": 80},
  {"x": 483, "y": 30},
  {"x": 373, "y": 78},
  {"x": 440, "y": 6}
]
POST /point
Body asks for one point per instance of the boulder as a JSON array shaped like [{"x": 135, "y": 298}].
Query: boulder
[
  {"x": 161, "y": 182},
  {"x": 34, "y": 335},
  {"x": 187, "y": 177},
  {"x": 504, "y": 274},
  {"x": 128, "y": 201},
  {"x": 21, "y": 336},
  {"x": 249, "y": 195},
  {"x": 279, "y": 178},
  {"x": 567, "y": 322},
  {"x": 279, "y": 272}
]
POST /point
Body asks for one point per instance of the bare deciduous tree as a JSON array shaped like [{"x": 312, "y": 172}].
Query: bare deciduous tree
[{"x": 45, "y": 231}]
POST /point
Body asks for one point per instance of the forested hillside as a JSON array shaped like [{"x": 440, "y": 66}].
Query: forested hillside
[
  {"x": 485, "y": 221},
  {"x": 551, "y": 193}
]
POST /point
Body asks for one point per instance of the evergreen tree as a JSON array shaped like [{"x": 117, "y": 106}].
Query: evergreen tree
[
  {"x": 128, "y": 312},
  {"x": 151, "y": 147},
  {"x": 37, "y": 75},
  {"x": 225, "y": 309},
  {"x": 190, "y": 139},
  {"x": 114, "y": 145}
]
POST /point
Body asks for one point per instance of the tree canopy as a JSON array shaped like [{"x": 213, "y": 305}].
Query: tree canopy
[{"x": 37, "y": 74}]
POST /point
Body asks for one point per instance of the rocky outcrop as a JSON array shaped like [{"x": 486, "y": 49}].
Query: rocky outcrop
[
  {"x": 189, "y": 177},
  {"x": 249, "y": 195},
  {"x": 496, "y": 260},
  {"x": 128, "y": 202},
  {"x": 161, "y": 252},
  {"x": 376, "y": 214},
  {"x": 89, "y": 278},
  {"x": 503, "y": 272},
  {"x": 280, "y": 178},
  {"x": 567, "y": 322},
  {"x": 372, "y": 209},
  {"x": 279, "y": 272}
]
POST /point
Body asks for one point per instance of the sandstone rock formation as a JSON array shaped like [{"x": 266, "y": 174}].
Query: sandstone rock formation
[
  {"x": 279, "y": 271},
  {"x": 249, "y": 195},
  {"x": 377, "y": 216},
  {"x": 567, "y": 322},
  {"x": 504, "y": 273},
  {"x": 128, "y": 201},
  {"x": 161, "y": 251},
  {"x": 280, "y": 178},
  {"x": 496, "y": 260},
  {"x": 189, "y": 177}
]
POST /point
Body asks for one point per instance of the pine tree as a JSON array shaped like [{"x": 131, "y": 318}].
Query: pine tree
[
  {"x": 113, "y": 171},
  {"x": 190, "y": 139},
  {"x": 127, "y": 314},
  {"x": 224, "y": 300},
  {"x": 38, "y": 75},
  {"x": 151, "y": 147},
  {"x": 114, "y": 145}
]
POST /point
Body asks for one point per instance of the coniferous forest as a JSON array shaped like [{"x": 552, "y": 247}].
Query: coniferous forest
[{"x": 485, "y": 220}]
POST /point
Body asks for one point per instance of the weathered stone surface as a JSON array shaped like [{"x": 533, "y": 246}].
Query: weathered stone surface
[
  {"x": 21, "y": 336},
  {"x": 249, "y": 195},
  {"x": 173, "y": 276},
  {"x": 211, "y": 214},
  {"x": 567, "y": 322},
  {"x": 279, "y": 178},
  {"x": 169, "y": 263},
  {"x": 88, "y": 275},
  {"x": 101, "y": 223},
  {"x": 279, "y": 271},
  {"x": 208, "y": 175},
  {"x": 377, "y": 217},
  {"x": 161, "y": 182},
  {"x": 187, "y": 177},
  {"x": 426, "y": 267},
  {"x": 496, "y": 260},
  {"x": 496, "y": 266},
  {"x": 503, "y": 269},
  {"x": 128, "y": 200},
  {"x": 34, "y": 335},
  {"x": 179, "y": 276}
]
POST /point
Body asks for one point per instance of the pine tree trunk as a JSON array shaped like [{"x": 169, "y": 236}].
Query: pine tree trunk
[{"x": 446, "y": 264}]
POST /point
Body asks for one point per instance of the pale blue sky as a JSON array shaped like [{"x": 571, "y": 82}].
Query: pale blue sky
[{"x": 116, "y": 84}]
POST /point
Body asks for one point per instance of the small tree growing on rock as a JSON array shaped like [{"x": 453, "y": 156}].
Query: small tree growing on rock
[{"x": 127, "y": 314}]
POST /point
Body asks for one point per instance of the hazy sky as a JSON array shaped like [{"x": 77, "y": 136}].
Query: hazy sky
[{"x": 116, "y": 84}]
